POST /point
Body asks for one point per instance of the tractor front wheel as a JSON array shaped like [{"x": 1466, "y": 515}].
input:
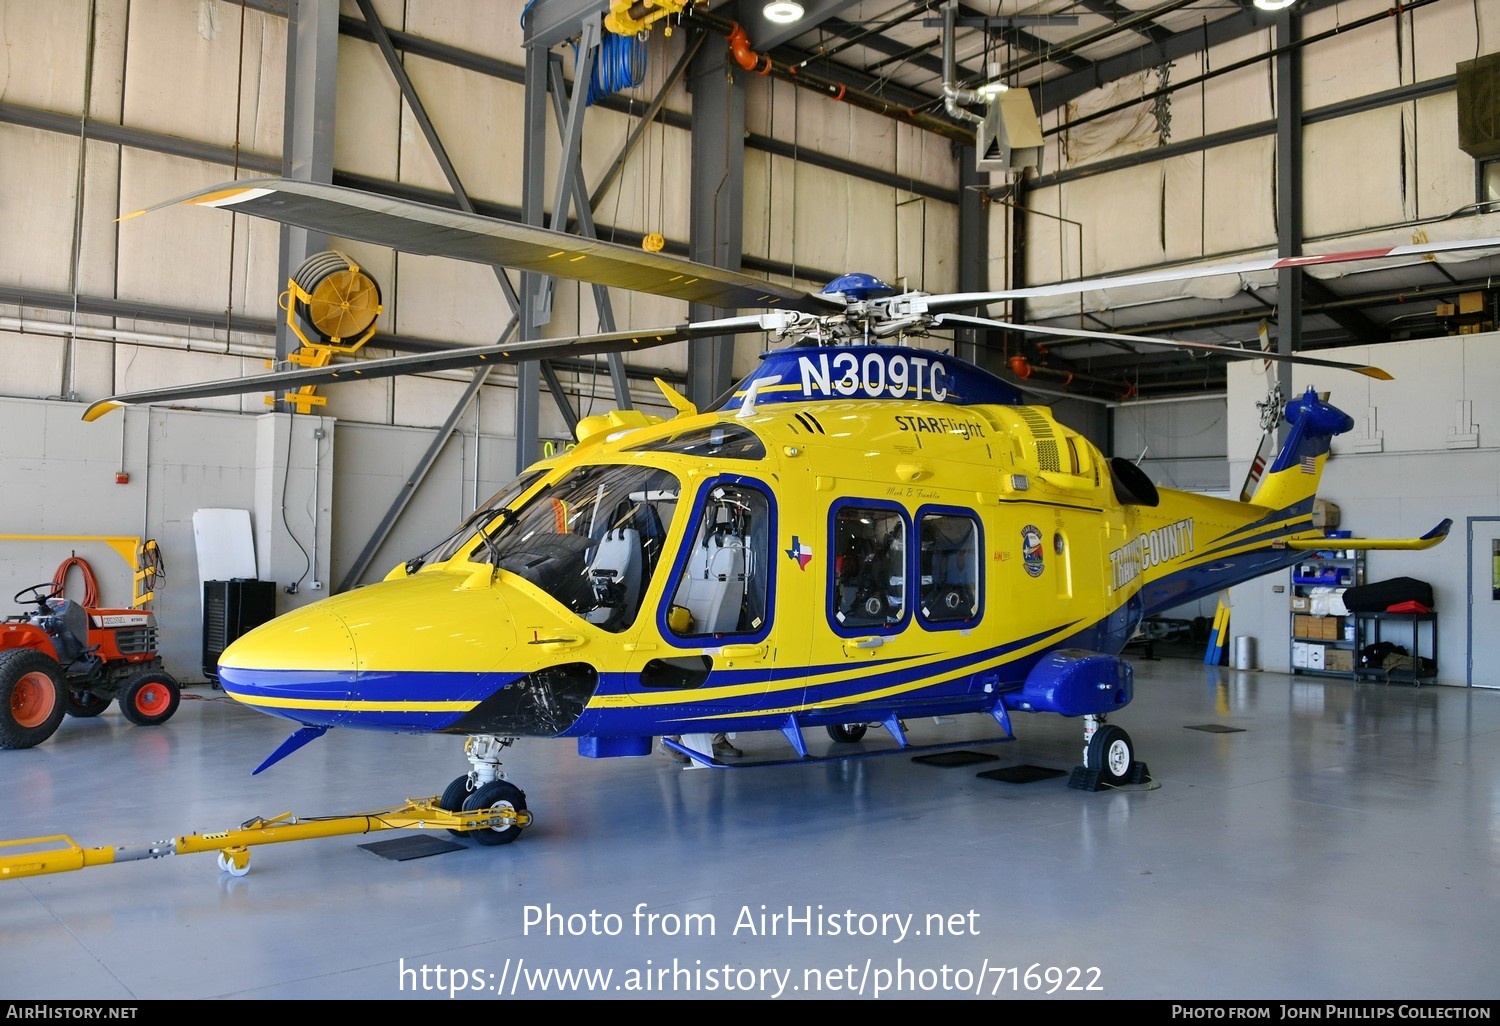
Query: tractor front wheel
[
  {"x": 150, "y": 698},
  {"x": 33, "y": 699}
]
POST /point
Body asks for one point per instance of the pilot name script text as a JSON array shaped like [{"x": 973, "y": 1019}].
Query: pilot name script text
[{"x": 750, "y": 921}]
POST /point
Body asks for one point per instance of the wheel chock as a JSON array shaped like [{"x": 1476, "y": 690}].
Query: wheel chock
[{"x": 1085, "y": 779}]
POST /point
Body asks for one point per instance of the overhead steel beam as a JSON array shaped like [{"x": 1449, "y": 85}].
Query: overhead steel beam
[
  {"x": 1055, "y": 92},
  {"x": 549, "y": 23}
]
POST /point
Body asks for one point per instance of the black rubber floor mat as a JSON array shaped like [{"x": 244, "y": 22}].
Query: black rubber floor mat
[
  {"x": 1217, "y": 728},
  {"x": 953, "y": 758},
  {"x": 400, "y": 849},
  {"x": 1022, "y": 774}
]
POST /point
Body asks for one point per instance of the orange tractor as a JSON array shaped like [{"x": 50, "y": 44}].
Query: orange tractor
[{"x": 64, "y": 659}]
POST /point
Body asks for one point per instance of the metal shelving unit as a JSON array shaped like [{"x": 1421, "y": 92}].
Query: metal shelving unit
[
  {"x": 1323, "y": 644},
  {"x": 1424, "y": 657}
]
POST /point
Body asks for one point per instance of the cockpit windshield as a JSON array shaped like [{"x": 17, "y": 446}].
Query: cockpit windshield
[
  {"x": 591, "y": 540},
  {"x": 481, "y": 519}
]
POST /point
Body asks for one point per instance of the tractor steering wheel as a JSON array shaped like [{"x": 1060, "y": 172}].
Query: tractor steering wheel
[{"x": 34, "y": 593}]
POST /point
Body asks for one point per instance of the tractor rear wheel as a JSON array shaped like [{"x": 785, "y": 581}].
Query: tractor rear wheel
[
  {"x": 33, "y": 699},
  {"x": 150, "y": 698}
]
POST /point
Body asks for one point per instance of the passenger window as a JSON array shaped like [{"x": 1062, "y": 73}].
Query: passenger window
[
  {"x": 949, "y": 556},
  {"x": 723, "y": 586},
  {"x": 869, "y": 567}
]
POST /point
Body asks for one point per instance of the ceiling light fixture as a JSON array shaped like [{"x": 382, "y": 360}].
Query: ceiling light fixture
[
  {"x": 782, "y": 12},
  {"x": 1274, "y": 5}
]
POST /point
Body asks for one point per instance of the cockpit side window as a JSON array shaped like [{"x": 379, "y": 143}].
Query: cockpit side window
[
  {"x": 868, "y": 572},
  {"x": 592, "y": 540},
  {"x": 723, "y": 587}
]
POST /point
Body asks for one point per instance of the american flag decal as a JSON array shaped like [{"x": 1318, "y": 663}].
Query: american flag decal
[{"x": 1309, "y": 464}]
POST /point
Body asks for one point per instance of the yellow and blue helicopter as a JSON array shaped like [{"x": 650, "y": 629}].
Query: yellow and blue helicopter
[{"x": 858, "y": 533}]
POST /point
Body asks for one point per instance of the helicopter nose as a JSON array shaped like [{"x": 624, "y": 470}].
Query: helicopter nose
[
  {"x": 410, "y": 654},
  {"x": 303, "y": 665}
]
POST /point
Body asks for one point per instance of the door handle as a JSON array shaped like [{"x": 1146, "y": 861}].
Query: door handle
[{"x": 739, "y": 653}]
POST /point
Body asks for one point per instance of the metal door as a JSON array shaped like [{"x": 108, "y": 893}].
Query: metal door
[{"x": 1484, "y": 602}]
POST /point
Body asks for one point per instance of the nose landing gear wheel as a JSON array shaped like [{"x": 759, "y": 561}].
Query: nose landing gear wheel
[
  {"x": 497, "y": 794},
  {"x": 453, "y": 800}
]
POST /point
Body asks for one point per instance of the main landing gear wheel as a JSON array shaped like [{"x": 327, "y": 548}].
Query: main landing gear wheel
[
  {"x": 84, "y": 704},
  {"x": 453, "y": 799},
  {"x": 150, "y": 698},
  {"x": 497, "y": 794},
  {"x": 847, "y": 733},
  {"x": 1111, "y": 753},
  {"x": 33, "y": 699}
]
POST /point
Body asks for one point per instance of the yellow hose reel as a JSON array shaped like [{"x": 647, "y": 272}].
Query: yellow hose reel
[{"x": 334, "y": 301}]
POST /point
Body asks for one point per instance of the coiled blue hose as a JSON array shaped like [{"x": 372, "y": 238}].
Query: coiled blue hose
[
  {"x": 621, "y": 65},
  {"x": 622, "y": 62}
]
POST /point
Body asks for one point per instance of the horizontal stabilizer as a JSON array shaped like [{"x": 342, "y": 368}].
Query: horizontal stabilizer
[{"x": 1427, "y": 541}]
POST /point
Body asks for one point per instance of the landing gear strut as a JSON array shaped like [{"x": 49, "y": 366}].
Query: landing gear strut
[
  {"x": 485, "y": 787},
  {"x": 1108, "y": 758}
]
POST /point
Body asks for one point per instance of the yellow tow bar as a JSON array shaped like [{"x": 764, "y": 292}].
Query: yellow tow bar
[{"x": 61, "y": 854}]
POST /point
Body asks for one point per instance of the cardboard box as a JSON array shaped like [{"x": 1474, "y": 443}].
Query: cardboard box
[
  {"x": 1330, "y": 628},
  {"x": 1316, "y": 657},
  {"x": 1340, "y": 659},
  {"x": 1446, "y": 309},
  {"x": 1303, "y": 626},
  {"x": 1301, "y": 603},
  {"x": 1470, "y": 302},
  {"x": 1325, "y": 514},
  {"x": 1299, "y": 654}
]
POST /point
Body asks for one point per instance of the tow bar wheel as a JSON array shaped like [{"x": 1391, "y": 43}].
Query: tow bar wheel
[{"x": 33, "y": 700}]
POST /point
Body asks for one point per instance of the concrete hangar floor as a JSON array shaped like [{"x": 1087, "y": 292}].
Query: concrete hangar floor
[{"x": 1299, "y": 838}]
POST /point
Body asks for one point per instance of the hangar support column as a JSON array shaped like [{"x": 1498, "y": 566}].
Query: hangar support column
[
  {"x": 717, "y": 203},
  {"x": 1288, "y": 195},
  {"x": 312, "y": 64}
]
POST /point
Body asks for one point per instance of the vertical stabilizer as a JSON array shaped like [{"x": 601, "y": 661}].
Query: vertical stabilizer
[{"x": 1291, "y": 482}]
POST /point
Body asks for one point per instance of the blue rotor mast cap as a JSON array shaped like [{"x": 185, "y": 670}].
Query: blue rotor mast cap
[{"x": 858, "y": 287}]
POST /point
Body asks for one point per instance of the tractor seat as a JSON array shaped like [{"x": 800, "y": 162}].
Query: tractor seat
[{"x": 72, "y": 624}]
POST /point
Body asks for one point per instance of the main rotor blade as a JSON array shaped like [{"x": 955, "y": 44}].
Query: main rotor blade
[
  {"x": 453, "y": 359},
  {"x": 1199, "y": 347},
  {"x": 961, "y": 300},
  {"x": 437, "y": 231}
]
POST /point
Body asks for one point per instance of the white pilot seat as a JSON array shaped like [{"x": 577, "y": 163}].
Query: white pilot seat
[
  {"x": 713, "y": 584},
  {"x": 615, "y": 576}
]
